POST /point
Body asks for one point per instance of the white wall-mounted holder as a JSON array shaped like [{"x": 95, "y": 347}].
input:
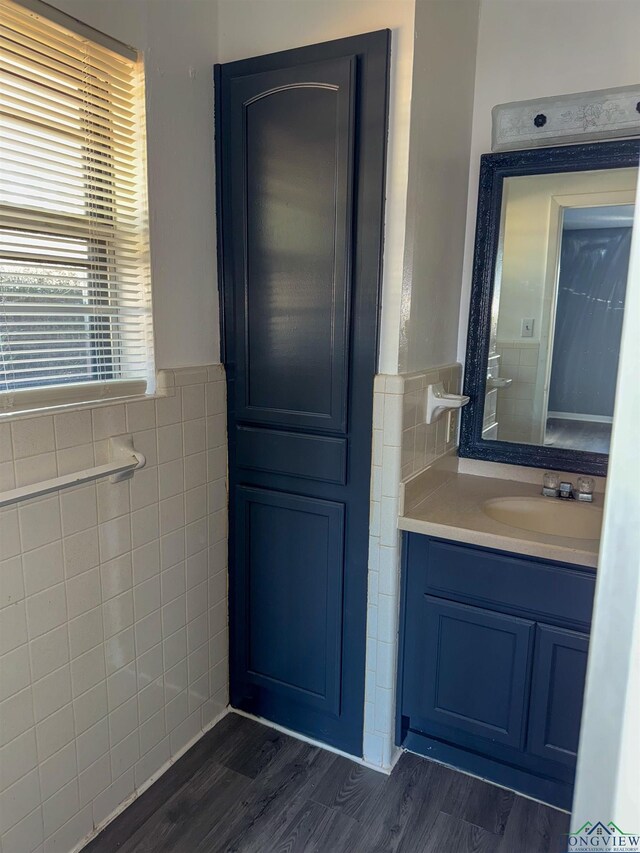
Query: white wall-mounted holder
[
  {"x": 438, "y": 401},
  {"x": 121, "y": 449},
  {"x": 498, "y": 382},
  {"x": 563, "y": 119}
]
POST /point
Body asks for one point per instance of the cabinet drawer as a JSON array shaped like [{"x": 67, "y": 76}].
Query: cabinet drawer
[{"x": 501, "y": 580}]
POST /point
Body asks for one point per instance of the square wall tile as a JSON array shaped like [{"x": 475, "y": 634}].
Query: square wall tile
[
  {"x": 11, "y": 581},
  {"x": 49, "y": 652},
  {"x": 72, "y": 429},
  {"x": 32, "y": 436},
  {"x": 39, "y": 522},
  {"x": 108, "y": 421},
  {"x": 19, "y": 800},
  {"x": 83, "y": 592},
  {"x": 46, "y": 610},
  {"x": 43, "y": 568},
  {"x": 85, "y": 632},
  {"x": 16, "y": 715},
  {"x": 16, "y": 673},
  {"x": 81, "y": 552},
  {"x": 55, "y": 732}
]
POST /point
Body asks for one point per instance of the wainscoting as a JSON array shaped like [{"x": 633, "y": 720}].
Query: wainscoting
[{"x": 113, "y": 628}]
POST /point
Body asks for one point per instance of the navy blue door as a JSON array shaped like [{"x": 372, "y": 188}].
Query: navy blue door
[
  {"x": 300, "y": 147},
  {"x": 557, "y": 692},
  {"x": 470, "y": 671}
]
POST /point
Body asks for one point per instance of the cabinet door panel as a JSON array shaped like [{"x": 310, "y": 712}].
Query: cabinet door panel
[
  {"x": 290, "y": 568},
  {"x": 559, "y": 670},
  {"x": 469, "y": 670}
]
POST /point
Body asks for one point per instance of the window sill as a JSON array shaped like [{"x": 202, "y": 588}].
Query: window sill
[{"x": 163, "y": 389}]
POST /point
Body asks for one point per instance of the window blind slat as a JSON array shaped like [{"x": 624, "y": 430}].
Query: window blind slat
[
  {"x": 65, "y": 40},
  {"x": 34, "y": 138},
  {"x": 48, "y": 62},
  {"x": 75, "y": 308}
]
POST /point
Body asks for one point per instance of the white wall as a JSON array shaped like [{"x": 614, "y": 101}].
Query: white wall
[
  {"x": 179, "y": 39},
  {"x": 441, "y": 112},
  {"x": 251, "y": 27},
  {"x": 531, "y": 48},
  {"x": 609, "y": 754},
  {"x": 530, "y": 259},
  {"x": 182, "y": 39}
]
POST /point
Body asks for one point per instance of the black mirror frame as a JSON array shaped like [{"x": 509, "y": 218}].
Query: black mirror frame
[{"x": 494, "y": 168}]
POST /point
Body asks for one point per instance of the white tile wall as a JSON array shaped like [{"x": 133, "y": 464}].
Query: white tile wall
[
  {"x": 113, "y": 632},
  {"x": 403, "y": 445},
  {"x": 516, "y": 404}
]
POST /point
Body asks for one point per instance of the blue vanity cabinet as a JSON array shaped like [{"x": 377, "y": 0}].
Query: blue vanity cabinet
[{"x": 492, "y": 663}]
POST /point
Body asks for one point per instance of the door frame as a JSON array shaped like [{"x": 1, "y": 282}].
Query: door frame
[
  {"x": 559, "y": 203},
  {"x": 372, "y": 53}
]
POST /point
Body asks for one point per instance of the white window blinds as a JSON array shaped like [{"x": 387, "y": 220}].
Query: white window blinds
[{"x": 75, "y": 314}]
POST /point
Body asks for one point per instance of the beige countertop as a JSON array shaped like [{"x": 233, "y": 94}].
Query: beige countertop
[{"x": 452, "y": 509}]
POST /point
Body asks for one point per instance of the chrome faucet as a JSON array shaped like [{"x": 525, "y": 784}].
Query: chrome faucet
[
  {"x": 566, "y": 491},
  {"x": 554, "y": 487}
]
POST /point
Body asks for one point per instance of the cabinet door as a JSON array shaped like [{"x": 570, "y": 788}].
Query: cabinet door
[
  {"x": 468, "y": 669},
  {"x": 559, "y": 669}
]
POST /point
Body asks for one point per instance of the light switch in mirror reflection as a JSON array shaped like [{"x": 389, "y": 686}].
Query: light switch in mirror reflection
[{"x": 557, "y": 308}]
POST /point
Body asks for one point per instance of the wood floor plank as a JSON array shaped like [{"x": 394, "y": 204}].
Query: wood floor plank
[
  {"x": 453, "y": 835},
  {"x": 436, "y": 783},
  {"x": 229, "y": 731},
  {"x": 245, "y": 788},
  {"x": 271, "y": 799},
  {"x": 196, "y": 810},
  {"x": 480, "y": 803},
  {"x": 534, "y": 828},
  {"x": 349, "y": 787},
  {"x": 336, "y": 833},
  {"x": 259, "y": 747},
  {"x": 298, "y": 834},
  {"x": 401, "y": 807}
]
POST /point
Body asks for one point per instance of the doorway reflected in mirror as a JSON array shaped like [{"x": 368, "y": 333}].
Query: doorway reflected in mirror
[
  {"x": 592, "y": 282},
  {"x": 557, "y": 308}
]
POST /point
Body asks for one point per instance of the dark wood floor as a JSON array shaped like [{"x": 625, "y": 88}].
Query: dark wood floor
[
  {"x": 248, "y": 788},
  {"x": 578, "y": 435}
]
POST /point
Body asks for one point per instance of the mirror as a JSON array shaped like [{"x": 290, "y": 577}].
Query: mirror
[{"x": 550, "y": 275}]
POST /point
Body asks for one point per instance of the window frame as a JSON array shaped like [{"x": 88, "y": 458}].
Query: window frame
[{"x": 103, "y": 385}]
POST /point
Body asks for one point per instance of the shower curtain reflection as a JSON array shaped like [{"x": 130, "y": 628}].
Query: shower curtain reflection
[{"x": 590, "y": 307}]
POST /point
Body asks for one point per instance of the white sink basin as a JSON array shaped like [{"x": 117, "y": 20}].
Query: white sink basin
[{"x": 547, "y": 515}]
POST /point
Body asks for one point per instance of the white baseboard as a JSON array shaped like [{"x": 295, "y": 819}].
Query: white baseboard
[
  {"x": 146, "y": 785},
  {"x": 576, "y": 416},
  {"x": 313, "y": 742}
]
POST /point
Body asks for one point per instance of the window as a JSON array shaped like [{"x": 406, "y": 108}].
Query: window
[{"x": 75, "y": 313}]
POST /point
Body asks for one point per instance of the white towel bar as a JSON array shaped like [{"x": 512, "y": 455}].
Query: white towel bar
[{"x": 124, "y": 460}]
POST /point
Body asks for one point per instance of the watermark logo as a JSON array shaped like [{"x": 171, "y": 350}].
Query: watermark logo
[{"x": 603, "y": 836}]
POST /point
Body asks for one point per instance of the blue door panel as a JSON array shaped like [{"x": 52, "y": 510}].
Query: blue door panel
[
  {"x": 290, "y": 562},
  {"x": 295, "y": 130},
  {"x": 559, "y": 672},
  {"x": 313, "y": 457},
  {"x": 473, "y": 670}
]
